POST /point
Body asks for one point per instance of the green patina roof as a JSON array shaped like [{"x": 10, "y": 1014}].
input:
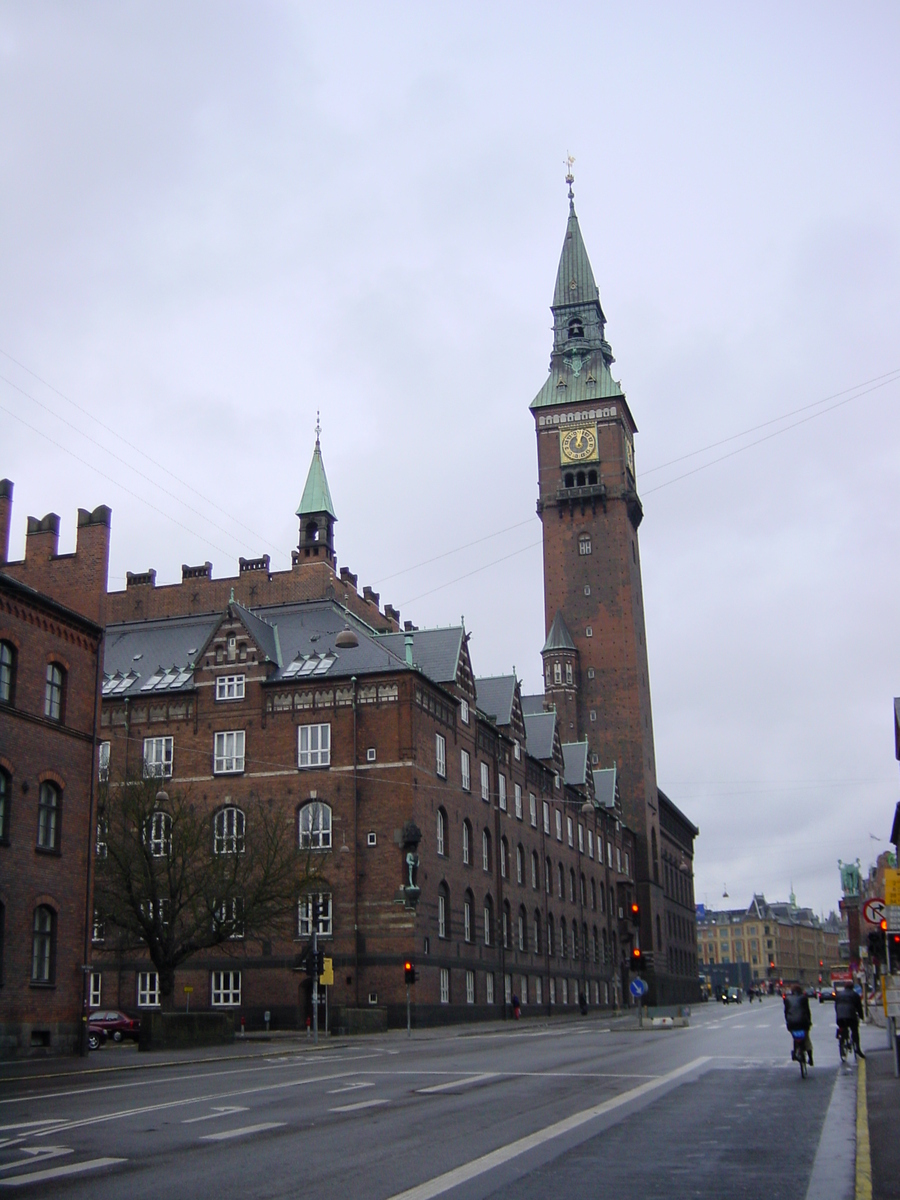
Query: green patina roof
[
  {"x": 592, "y": 382},
  {"x": 316, "y": 495},
  {"x": 574, "y": 279},
  {"x": 559, "y": 637}
]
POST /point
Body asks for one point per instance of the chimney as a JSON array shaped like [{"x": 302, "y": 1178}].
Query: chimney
[
  {"x": 92, "y": 552},
  {"x": 408, "y": 647},
  {"x": 41, "y": 539},
  {"x": 392, "y": 614},
  {"x": 6, "y": 494},
  {"x": 372, "y": 597},
  {"x": 347, "y": 576}
]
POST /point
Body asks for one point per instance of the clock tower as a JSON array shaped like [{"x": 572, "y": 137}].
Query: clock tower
[{"x": 590, "y": 511}]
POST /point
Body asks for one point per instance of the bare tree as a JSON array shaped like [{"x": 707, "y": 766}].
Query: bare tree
[{"x": 178, "y": 878}]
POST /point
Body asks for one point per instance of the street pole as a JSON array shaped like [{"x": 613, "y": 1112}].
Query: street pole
[
  {"x": 315, "y": 986},
  {"x": 408, "y": 1022}
]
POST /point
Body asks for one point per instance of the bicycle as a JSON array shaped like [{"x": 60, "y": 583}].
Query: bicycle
[
  {"x": 845, "y": 1041},
  {"x": 799, "y": 1053}
]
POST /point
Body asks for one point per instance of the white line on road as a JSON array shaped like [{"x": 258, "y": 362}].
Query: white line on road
[
  {"x": 360, "y": 1104},
  {"x": 224, "y": 1110},
  {"x": 487, "y": 1162},
  {"x": 38, "y": 1154},
  {"x": 92, "y": 1164},
  {"x": 351, "y": 1087},
  {"x": 33, "y": 1124},
  {"x": 457, "y": 1083},
  {"x": 244, "y": 1131}
]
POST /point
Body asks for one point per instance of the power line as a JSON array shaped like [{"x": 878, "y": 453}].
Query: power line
[
  {"x": 494, "y": 562},
  {"x": 447, "y": 553}
]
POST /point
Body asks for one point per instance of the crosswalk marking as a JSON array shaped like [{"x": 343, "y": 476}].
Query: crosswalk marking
[
  {"x": 344, "y": 1108},
  {"x": 92, "y": 1164},
  {"x": 467, "y": 1081}
]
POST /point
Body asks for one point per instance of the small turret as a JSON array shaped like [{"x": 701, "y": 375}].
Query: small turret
[{"x": 316, "y": 511}]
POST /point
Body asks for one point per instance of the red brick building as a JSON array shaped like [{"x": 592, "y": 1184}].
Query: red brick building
[
  {"x": 395, "y": 766},
  {"x": 51, "y": 614}
]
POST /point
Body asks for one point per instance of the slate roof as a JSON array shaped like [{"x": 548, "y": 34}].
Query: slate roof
[
  {"x": 316, "y": 496},
  {"x": 496, "y": 694},
  {"x": 559, "y": 637},
  {"x": 539, "y": 731},
  {"x": 264, "y": 634},
  {"x": 308, "y": 630},
  {"x": 532, "y": 704},
  {"x": 134, "y": 652},
  {"x": 605, "y": 787},
  {"x": 435, "y": 651},
  {"x": 575, "y": 756}
]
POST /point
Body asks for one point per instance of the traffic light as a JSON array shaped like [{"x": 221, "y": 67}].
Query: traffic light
[
  {"x": 876, "y": 944},
  {"x": 320, "y": 963},
  {"x": 309, "y": 964},
  {"x": 410, "y": 972},
  {"x": 635, "y": 913},
  {"x": 636, "y": 958}
]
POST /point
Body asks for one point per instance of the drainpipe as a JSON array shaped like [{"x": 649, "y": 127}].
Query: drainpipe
[
  {"x": 355, "y": 850},
  {"x": 91, "y": 839}
]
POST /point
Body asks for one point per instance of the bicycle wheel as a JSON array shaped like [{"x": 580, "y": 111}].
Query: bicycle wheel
[
  {"x": 842, "y": 1046},
  {"x": 802, "y": 1056}
]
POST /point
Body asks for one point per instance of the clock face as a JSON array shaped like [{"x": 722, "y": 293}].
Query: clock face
[{"x": 578, "y": 444}]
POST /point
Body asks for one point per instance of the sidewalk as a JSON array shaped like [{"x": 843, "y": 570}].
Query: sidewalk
[{"x": 883, "y": 1102}]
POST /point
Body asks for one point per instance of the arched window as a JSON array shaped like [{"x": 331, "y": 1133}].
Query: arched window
[
  {"x": 506, "y": 924},
  {"x": 560, "y": 881},
  {"x": 441, "y": 841},
  {"x": 468, "y": 916},
  {"x": 584, "y": 942},
  {"x": 520, "y": 864},
  {"x": 575, "y": 941},
  {"x": 488, "y": 920},
  {"x": 467, "y": 842},
  {"x": 536, "y": 930},
  {"x": 228, "y": 831},
  {"x": 592, "y": 478},
  {"x": 572, "y": 884},
  {"x": 521, "y": 929},
  {"x": 593, "y": 895},
  {"x": 54, "y": 692},
  {"x": 314, "y": 826},
  {"x": 563, "y": 948},
  {"x": 580, "y": 479},
  {"x": 606, "y": 958},
  {"x": 535, "y": 870},
  {"x": 576, "y": 327},
  {"x": 569, "y": 676},
  {"x": 569, "y": 479},
  {"x": 557, "y": 672},
  {"x": 158, "y": 834},
  {"x": 504, "y": 851},
  {"x": 49, "y": 816},
  {"x": 550, "y": 934},
  {"x": 486, "y": 850},
  {"x": 583, "y": 890},
  {"x": 43, "y": 945},
  {"x": 612, "y": 902},
  {"x": 5, "y": 798},
  {"x": 7, "y": 673},
  {"x": 443, "y": 911},
  {"x": 548, "y": 876},
  {"x": 312, "y": 531}
]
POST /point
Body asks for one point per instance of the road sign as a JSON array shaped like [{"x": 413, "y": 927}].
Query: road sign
[
  {"x": 873, "y": 910},
  {"x": 188, "y": 989},
  {"x": 637, "y": 987},
  {"x": 327, "y": 976},
  {"x": 892, "y": 886},
  {"x": 892, "y": 915}
]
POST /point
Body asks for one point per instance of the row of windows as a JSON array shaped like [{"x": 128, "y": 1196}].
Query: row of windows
[
  {"x": 229, "y": 827},
  {"x": 54, "y": 683},
  {"x": 49, "y": 814}
]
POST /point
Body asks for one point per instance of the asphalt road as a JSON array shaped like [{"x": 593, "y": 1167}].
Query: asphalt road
[{"x": 569, "y": 1107}]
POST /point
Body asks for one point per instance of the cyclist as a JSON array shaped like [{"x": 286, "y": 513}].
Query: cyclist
[
  {"x": 847, "y": 1011},
  {"x": 798, "y": 1016}
]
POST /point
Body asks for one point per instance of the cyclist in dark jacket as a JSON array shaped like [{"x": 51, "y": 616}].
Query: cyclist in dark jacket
[
  {"x": 798, "y": 1016},
  {"x": 847, "y": 1011}
]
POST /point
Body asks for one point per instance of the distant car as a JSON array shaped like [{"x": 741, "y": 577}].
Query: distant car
[
  {"x": 116, "y": 1024},
  {"x": 826, "y": 992},
  {"x": 812, "y": 993},
  {"x": 97, "y": 1036},
  {"x": 734, "y": 995}
]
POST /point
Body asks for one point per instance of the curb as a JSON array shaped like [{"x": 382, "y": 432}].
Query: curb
[{"x": 863, "y": 1154}]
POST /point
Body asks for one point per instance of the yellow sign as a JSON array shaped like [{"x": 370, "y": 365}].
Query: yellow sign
[
  {"x": 327, "y": 976},
  {"x": 891, "y": 886},
  {"x": 188, "y": 989}
]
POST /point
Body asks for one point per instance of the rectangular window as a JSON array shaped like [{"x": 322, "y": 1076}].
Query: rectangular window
[
  {"x": 230, "y": 913},
  {"x": 519, "y": 801},
  {"x": 546, "y": 818},
  {"x": 539, "y": 990},
  {"x": 229, "y": 756},
  {"x": 226, "y": 989},
  {"x": 590, "y": 837},
  {"x": 517, "y": 750},
  {"x": 158, "y": 753},
  {"x": 627, "y": 864},
  {"x": 558, "y": 825},
  {"x": 230, "y": 687},
  {"x": 148, "y": 989},
  {"x": 314, "y": 745},
  {"x": 43, "y": 945},
  {"x": 570, "y": 828},
  {"x": 489, "y": 988},
  {"x": 98, "y": 929},
  {"x": 552, "y": 991},
  {"x": 305, "y": 915},
  {"x": 464, "y": 771},
  {"x": 532, "y": 809},
  {"x": 507, "y": 988},
  {"x": 618, "y": 860},
  {"x": 470, "y": 987},
  {"x": 485, "y": 782},
  {"x": 48, "y": 817},
  {"x": 581, "y": 839},
  {"x": 501, "y": 783},
  {"x": 523, "y": 995},
  {"x": 445, "y": 986},
  {"x": 609, "y": 855},
  {"x": 103, "y": 762},
  {"x": 53, "y": 692},
  {"x": 95, "y": 989},
  {"x": 565, "y": 991},
  {"x": 440, "y": 755},
  {"x": 464, "y": 711},
  {"x": 442, "y": 915}
]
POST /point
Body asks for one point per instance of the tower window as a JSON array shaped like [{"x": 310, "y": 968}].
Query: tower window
[
  {"x": 557, "y": 672},
  {"x": 587, "y": 589},
  {"x": 588, "y": 632},
  {"x": 592, "y": 477},
  {"x": 570, "y": 479},
  {"x": 584, "y": 544},
  {"x": 576, "y": 328},
  {"x": 580, "y": 479},
  {"x": 568, "y": 672},
  {"x": 590, "y": 672}
]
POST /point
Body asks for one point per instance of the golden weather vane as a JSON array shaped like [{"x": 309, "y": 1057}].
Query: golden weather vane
[{"x": 570, "y": 178}]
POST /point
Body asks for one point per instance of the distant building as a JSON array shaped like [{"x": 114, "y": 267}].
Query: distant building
[{"x": 51, "y": 614}]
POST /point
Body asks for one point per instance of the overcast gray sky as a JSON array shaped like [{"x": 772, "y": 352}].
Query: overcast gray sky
[{"x": 217, "y": 218}]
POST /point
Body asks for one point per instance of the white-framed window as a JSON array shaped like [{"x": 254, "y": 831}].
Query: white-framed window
[
  {"x": 593, "y": 714},
  {"x": 464, "y": 711},
  {"x": 442, "y": 913},
  {"x": 314, "y": 745},
  {"x": 314, "y": 823},
  {"x": 147, "y": 989},
  {"x": 96, "y": 981},
  {"x": 470, "y": 987},
  {"x": 501, "y": 783},
  {"x": 53, "y": 692},
  {"x": 151, "y": 909},
  {"x": 581, "y": 839},
  {"x": 565, "y": 991},
  {"x": 518, "y": 794},
  {"x": 445, "y": 986},
  {"x": 103, "y": 761},
  {"x": 570, "y": 828},
  {"x": 584, "y": 544},
  {"x": 618, "y": 860},
  {"x": 539, "y": 990},
  {"x": 552, "y": 991},
  {"x": 467, "y": 918},
  {"x": 228, "y": 831},
  {"x": 489, "y": 988},
  {"x": 546, "y": 818},
  {"x": 557, "y": 672},
  {"x": 231, "y": 913},
  {"x": 517, "y": 750},
  {"x": 158, "y": 754},
  {"x": 230, "y": 687},
  {"x": 588, "y": 632},
  {"x": 229, "y": 752},
  {"x": 486, "y": 850},
  {"x": 485, "y": 782},
  {"x": 520, "y": 929},
  {"x": 465, "y": 771},
  {"x": 523, "y": 995},
  {"x": 488, "y": 920},
  {"x": 441, "y": 832},
  {"x": 507, "y": 988},
  {"x": 568, "y": 673},
  {"x": 535, "y": 875},
  {"x": 556, "y": 780},
  {"x": 466, "y": 843},
  {"x": 158, "y": 834},
  {"x": 503, "y": 857},
  {"x": 305, "y": 915},
  {"x": 532, "y": 809},
  {"x": 98, "y": 929},
  {"x": 558, "y": 825},
  {"x": 590, "y": 837},
  {"x": 609, "y": 859},
  {"x": 627, "y": 865},
  {"x": 520, "y": 865},
  {"x": 226, "y": 989},
  {"x": 49, "y": 813},
  {"x": 440, "y": 755}
]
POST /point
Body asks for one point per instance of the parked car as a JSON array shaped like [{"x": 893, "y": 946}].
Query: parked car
[
  {"x": 97, "y": 1036},
  {"x": 734, "y": 995},
  {"x": 826, "y": 992},
  {"x": 117, "y": 1024}
]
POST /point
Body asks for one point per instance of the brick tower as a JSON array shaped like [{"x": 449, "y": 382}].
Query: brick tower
[{"x": 595, "y": 657}]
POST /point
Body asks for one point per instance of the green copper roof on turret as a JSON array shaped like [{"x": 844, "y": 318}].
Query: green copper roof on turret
[
  {"x": 574, "y": 278},
  {"x": 316, "y": 495}
]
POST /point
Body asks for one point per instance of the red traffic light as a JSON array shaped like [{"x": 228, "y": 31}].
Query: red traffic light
[
  {"x": 636, "y": 956},
  {"x": 883, "y": 925}
]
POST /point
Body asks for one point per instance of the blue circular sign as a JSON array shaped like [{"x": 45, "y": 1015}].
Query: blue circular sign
[{"x": 637, "y": 987}]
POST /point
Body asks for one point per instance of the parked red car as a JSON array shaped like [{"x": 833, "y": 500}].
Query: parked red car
[
  {"x": 97, "y": 1036},
  {"x": 118, "y": 1025}
]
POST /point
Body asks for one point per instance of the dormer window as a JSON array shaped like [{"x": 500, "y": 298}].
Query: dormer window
[{"x": 576, "y": 328}]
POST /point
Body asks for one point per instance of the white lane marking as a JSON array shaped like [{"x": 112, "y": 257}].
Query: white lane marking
[
  {"x": 33, "y": 1124},
  {"x": 487, "y": 1162},
  {"x": 742, "y": 1026},
  {"x": 224, "y": 1110},
  {"x": 92, "y": 1164},
  {"x": 767, "y": 1025},
  {"x": 244, "y": 1131},
  {"x": 457, "y": 1083},
  {"x": 360, "y": 1104},
  {"x": 38, "y": 1154},
  {"x": 351, "y": 1087}
]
